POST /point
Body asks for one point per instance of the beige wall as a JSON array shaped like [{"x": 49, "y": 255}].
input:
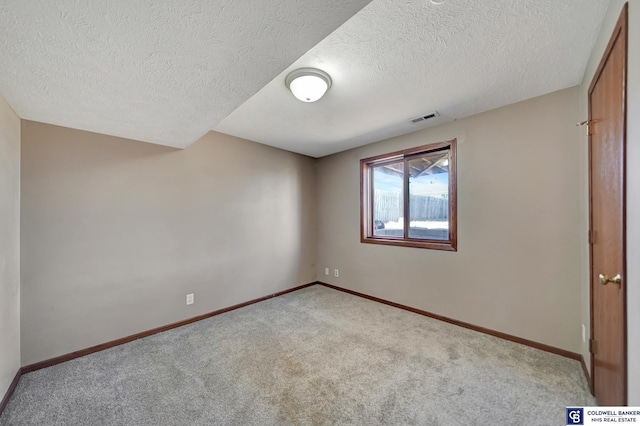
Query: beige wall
[
  {"x": 116, "y": 232},
  {"x": 517, "y": 269},
  {"x": 9, "y": 245},
  {"x": 633, "y": 183}
]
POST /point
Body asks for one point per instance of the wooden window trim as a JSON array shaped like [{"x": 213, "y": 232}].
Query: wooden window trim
[{"x": 366, "y": 200}]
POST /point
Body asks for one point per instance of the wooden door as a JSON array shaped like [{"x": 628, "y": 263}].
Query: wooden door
[{"x": 607, "y": 129}]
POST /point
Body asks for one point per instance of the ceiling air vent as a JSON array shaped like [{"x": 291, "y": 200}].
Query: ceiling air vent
[{"x": 424, "y": 117}]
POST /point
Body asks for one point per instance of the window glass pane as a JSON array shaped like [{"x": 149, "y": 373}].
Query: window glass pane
[
  {"x": 388, "y": 199},
  {"x": 429, "y": 196}
]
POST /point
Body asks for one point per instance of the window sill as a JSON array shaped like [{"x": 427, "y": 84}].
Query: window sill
[{"x": 431, "y": 244}]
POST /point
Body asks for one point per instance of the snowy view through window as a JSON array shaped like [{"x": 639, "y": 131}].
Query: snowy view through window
[{"x": 428, "y": 198}]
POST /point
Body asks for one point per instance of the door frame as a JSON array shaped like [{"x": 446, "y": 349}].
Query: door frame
[{"x": 620, "y": 30}]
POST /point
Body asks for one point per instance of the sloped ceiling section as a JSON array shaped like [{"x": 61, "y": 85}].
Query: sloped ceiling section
[
  {"x": 396, "y": 60},
  {"x": 161, "y": 71}
]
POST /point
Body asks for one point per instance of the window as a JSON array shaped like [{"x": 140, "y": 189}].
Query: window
[{"x": 408, "y": 198}]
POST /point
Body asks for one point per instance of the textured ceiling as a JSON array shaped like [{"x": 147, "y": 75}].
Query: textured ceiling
[
  {"x": 396, "y": 60},
  {"x": 167, "y": 71},
  {"x": 162, "y": 71}
]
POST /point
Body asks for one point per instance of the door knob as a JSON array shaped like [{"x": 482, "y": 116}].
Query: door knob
[{"x": 604, "y": 279}]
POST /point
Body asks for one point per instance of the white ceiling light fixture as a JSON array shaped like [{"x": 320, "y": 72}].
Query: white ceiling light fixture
[{"x": 308, "y": 84}]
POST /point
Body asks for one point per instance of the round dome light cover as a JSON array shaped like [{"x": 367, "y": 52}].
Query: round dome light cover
[{"x": 308, "y": 84}]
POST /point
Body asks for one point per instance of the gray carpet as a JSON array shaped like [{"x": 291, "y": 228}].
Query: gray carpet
[{"x": 312, "y": 357}]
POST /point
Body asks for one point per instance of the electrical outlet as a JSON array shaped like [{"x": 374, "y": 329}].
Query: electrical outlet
[
  {"x": 336, "y": 273},
  {"x": 326, "y": 271},
  {"x": 584, "y": 334},
  {"x": 190, "y": 299}
]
